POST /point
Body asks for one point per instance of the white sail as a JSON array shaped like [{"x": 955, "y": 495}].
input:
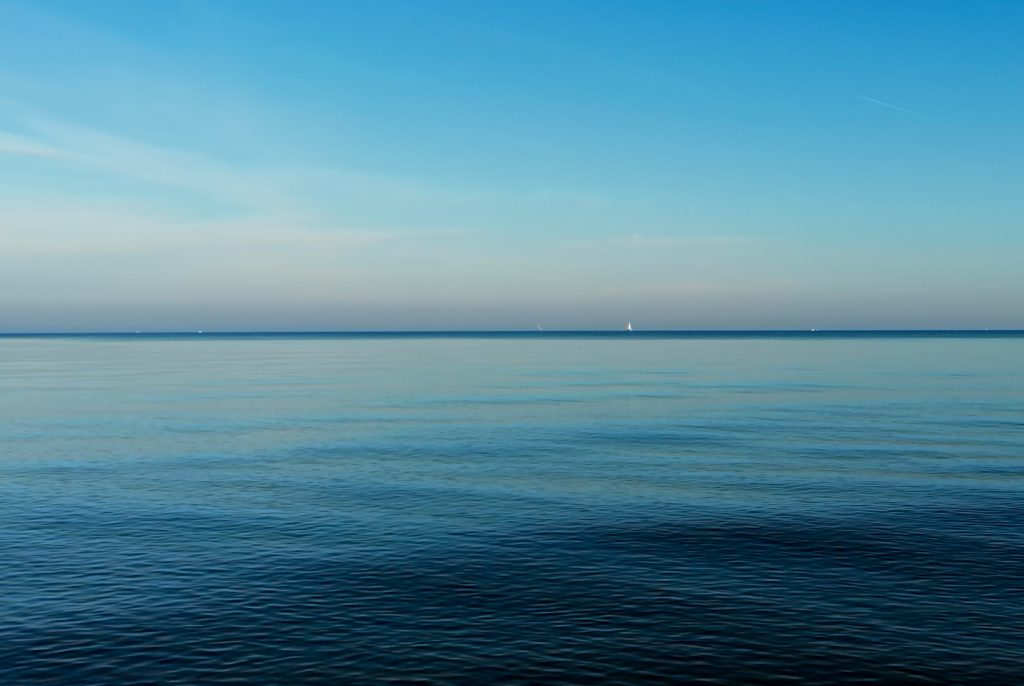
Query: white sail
[{"x": 629, "y": 326}]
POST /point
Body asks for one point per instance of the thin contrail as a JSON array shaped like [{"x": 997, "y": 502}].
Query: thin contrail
[{"x": 883, "y": 103}]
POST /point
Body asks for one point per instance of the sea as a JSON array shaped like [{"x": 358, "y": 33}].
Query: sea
[{"x": 491, "y": 508}]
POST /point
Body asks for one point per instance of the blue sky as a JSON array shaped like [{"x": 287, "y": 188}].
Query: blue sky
[{"x": 491, "y": 165}]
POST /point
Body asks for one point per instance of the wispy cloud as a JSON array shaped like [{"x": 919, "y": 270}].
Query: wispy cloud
[
  {"x": 645, "y": 241},
  {"x": 13, "y": 144},
  {"x": 269, "y": 232},
  {"x": 92, "y": 150},
  {"x": 84, "y": 230},
  {"x": 889, "y": 105}
]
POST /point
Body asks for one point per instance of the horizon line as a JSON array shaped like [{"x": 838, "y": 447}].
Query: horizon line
[{"x": 533, "y": 333}]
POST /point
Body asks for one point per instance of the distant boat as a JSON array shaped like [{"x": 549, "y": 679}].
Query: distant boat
[
  {"x": 629, "y": 327},
  {"x": 540, "y": 328}
]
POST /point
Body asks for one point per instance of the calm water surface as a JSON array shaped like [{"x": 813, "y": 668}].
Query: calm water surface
[{"x": 515, "y": 510}]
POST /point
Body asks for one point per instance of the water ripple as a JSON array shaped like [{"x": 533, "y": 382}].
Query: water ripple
[{"x": 366, "y": 511}]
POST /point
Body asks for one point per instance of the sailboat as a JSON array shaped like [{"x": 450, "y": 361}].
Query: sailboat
[{"x": 629, "y": 327}]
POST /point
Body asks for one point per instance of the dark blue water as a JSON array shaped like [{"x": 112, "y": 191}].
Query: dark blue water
[{"x": 841, "y": 508}]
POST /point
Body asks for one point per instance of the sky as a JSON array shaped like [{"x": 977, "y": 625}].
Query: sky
[{"x": 396, "y": 164}]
